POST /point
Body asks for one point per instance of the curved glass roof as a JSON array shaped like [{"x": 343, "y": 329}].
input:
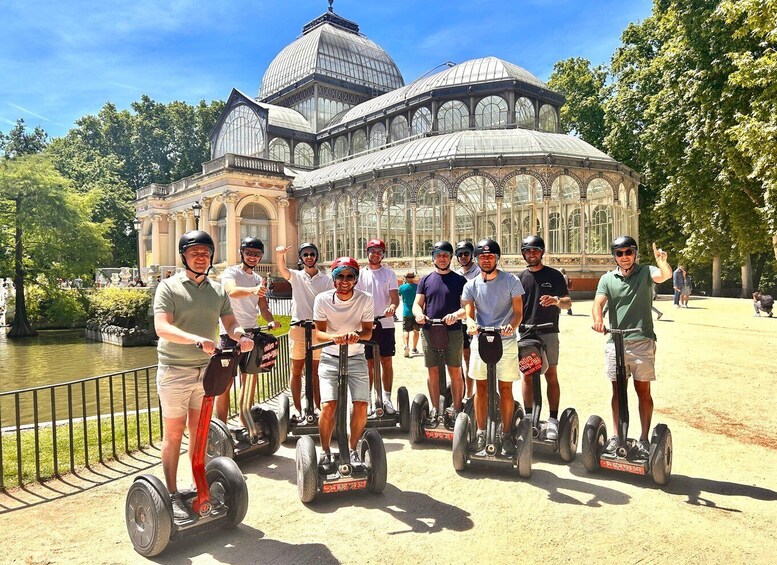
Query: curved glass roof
[
  {"x": 335, "y": 52},
  {"x": 285, "y": 117},
  {"x": 476, "y": 71},
  {"x": 463, "y": 144}
]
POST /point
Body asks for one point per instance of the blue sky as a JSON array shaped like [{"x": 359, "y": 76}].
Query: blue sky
[{"x": 65, "y": 59}]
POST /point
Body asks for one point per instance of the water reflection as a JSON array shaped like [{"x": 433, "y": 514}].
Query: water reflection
[{"x": 57, "y": 356}]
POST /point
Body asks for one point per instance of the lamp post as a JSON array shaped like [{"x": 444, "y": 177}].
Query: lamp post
[
  {"x": 136, "y": 224},
  {"x": 197, "y": 209}
]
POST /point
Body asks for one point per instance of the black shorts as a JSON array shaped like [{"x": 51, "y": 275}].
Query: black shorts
[
  {"x": 386, "y": 341},
  {"x": 409, "y": 324},
  {"x": 467, "y": 337}
]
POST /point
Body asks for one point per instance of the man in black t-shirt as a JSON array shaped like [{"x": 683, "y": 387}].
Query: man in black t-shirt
[{"x": 545, "y": 295}]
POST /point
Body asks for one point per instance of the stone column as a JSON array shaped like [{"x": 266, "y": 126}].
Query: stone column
[
  {"x": 233, "y": 227},
  {"x": 414, "y": 209},
  {"x": 452, "y": 221},
  {"x": 156, "y": 245},
  {"x": 188, "y": 216},
  {"x": 583, "y": 216},
  {"x": 498, "y": 220},
  {"x": 282, "y": 204},
  {"x": 205, "y": 215},
  {"x": 379, "y": 229},
  {"x": 172, "y": 236}
]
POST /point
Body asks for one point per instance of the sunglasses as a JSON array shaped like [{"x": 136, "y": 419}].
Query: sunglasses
[
  {"x": 346, "y": 278},
  {"x": 463, "y": 254},
  {"x": 252, "y": 254},
  {"x": 308, "y": 254},
  {"x": 626, "y": 252}
]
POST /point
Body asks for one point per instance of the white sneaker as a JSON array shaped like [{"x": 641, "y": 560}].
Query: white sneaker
[
  {"x": 388, "y": 408},
  {"x": 407, "y": 352},
  {"x": 552, "y": 430}
]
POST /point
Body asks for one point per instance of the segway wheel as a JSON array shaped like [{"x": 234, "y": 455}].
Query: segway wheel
[
  {"x": 227, "y": 486},
  {"x": 419, "y": 412},
  {"x": 461, "y": 441},
  {"x": 524, "y": 448},
  {"x": 594, "y": 437},
  {"x": 373, "y": 455},
  {"x": 517, "y": 414},
  {"x": 268, "y": 421},
  {"x": 307, "y": 469},
  {"x": 149, "y": 520},
  {"x": 569, "y": 430},
  {"x": 219, "y": 442},
  {"x": 661, "y": 454},
  {"x": 403, "y": 405},
  {"x": 283, "y": 418}
]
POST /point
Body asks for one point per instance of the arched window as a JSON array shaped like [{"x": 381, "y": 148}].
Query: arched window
[
  {"x": 327, "y": 229},
  {"x": 422, "y": 121},
  {"x": 344, "y": 228},
  {"x": 254, "y": 222},
  {"x": 377, "y": 136},
  {"x": 476, "y": 209},
  {"x": 431, "y": 215},
  {"x": 399, "y": 129},
  {"x": 491, "y": 111},
  {"x": 341, "y": 147},
  {"x": 358, "y": 142},
  {"x": 307, "y": 223},
  {"x": 599, "y": 201},
  {"x": 366, "y": 218},
  {"x": 548, "y": 119},
  {"x": 221, "y": 236},
  {"x": 564, "y": 201},
  {"x": 524, "y": 113},
  {"x": 241, "y": 133},
  {"x": 553, "y": 245},
  {"x": 522, "y": 209},
  {"x": 453, "y": 116},
  {"x": 279, "y": 150},
  {"x": 573, "y": 231},
  {"x": 303, "y": 155},
  {"x": 396, "y": 219},
  {"x": 325, "y": 155}
]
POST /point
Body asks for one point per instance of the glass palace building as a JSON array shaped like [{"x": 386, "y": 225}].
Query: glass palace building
[{"x": 336, "y": 149}]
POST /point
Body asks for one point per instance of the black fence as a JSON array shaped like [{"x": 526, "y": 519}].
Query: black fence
[{"x": 51, "y": 430}]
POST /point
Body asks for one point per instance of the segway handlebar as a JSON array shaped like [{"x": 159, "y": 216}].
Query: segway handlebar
[
  {"x": 616, "y": 331},
  {"x": 259, "y": 329},
  {"x": 528, "y": 328},
  {"x": 303, "y": 323},
  {"x": 218, "y": 351}
]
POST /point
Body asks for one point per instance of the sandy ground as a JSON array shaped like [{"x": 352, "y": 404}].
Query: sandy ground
[{"x": 716, "y": 389}]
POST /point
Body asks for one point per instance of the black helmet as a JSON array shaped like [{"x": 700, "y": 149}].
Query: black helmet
[
  {"x": 533, "y": 242},
  {"x": 488, "y": 246},
  {"x": 307, "y": 245},
  {"x": 443, "y": 246},
  {"x": 252, "y": 243},
  {"x": 195, "y": 237},
  {"x": 465, "y": 246},
  {"x": 623, "y": 241}
]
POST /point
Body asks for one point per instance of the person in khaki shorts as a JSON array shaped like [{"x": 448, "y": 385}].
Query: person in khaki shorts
[
  {"x": 187, "y": 309},
  {"x": 306, "y": 284}
]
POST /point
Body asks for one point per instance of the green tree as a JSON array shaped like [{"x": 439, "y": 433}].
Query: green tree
[
  {"x": 586, "y": 91},
  {"x": 45, "y": 222},
  {"x": 19, "y": 141}
]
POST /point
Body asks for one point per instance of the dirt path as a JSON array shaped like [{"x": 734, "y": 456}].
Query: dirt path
[{"x": 716, "y": 391}]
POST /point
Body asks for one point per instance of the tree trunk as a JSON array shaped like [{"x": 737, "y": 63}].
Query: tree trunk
[
  {"x": 716, "y": 275},
  {"x": 747, "y": 278},
  {"x": 21, "y": 326}
]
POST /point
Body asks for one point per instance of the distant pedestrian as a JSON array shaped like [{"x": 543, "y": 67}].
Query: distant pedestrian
[
  {"x": 762, "y": 303},
  {"x": 407, "y": 292},
  {"x": 569, "y": 286},
  {"x": 677, "y": 283},
  {"x": 687, "y": 287}
]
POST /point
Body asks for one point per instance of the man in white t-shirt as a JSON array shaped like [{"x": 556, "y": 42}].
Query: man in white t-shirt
[
  {"x": 247, "y": 293},
  {"x": 343, "y": 315},
  {"x": 381, "y": 283},
  {"x": 305, "y": 286}
]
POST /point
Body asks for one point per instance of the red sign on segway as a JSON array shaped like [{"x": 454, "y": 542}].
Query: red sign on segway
[
  {"x": 622, "y": 466},
  {"x": 343, "y": 486},
  {"x": 438, "y": 434},
  {"x": 531, "y": 363}
]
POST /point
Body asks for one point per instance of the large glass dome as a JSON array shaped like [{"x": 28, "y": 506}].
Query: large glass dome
[{"x": 332, "y": 47}]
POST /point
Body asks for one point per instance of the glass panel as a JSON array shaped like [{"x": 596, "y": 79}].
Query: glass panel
[
  {"x": 377, "y": 136},
  {"x": 399, "y": 129},
  {"x": 255, "y": 223},
  {"x": 548, "y": 118},
  {"x": 453, "y": 116},
  {"x": 279, "y": 150},
  {"x": 524, "y": 113},
  {"x": 521, "y": 210},
  {"x": 341, "y": 148},
  {"x": 491, "y": 111},
  {"x": 307, "y": 223},
  {"x": 366, "y": 219},
  {"x": 344, "y": 228},
  {"x": 358, "y": 142},
  {"x": 422, "y": 121},
  {"x": 432, "y": 222},
  {"x": 241, "y": 133},
  {"x": 221, "y": 236},
  {"x": 476, "y": 209},
  {"x": 325, "y": 154},
  {"x": 396, "y": 221},
  {"x": 303, "y": 155}
]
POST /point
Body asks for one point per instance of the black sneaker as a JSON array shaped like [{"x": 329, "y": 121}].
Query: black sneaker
[
  {"x": 643, "y": 450},
  {"x": 180, "y": 511},
  {"x": 611, "y": 446},
  {"x": 355, "y": 459},
  {"x": 508, "y": 445},
  {"x": 325, "y": 460},
  {"x": 480, "y": 440}
]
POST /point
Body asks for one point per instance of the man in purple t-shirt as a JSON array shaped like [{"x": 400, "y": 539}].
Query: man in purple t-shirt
[{"x": 439, "y": 298}]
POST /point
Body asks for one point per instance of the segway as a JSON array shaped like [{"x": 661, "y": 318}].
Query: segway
[
  {"x": 658, "y": 464},
  {"x": 308, "y": 423},
  {"x": 341, "y": 475},
  {"x": 377, "y": 417},
  {"x": 220, "y": 494},
  {"x": 465, "y": 428},
  {"x": 261, "y": 434},
  {"x": 530, "y": 359},
  {"x": 438, "y": 424}
]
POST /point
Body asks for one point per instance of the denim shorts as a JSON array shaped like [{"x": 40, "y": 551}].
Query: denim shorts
[{"x": 358, "y": 379}]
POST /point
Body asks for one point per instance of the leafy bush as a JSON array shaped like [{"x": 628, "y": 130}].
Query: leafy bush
[
  {"x": 126, "y": 308},
  {"x": 51, "y": 307}
]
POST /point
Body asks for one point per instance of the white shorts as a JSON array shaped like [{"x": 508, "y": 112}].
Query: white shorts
[
  {"x": 180, "y": 389},
  {"x": 506, "y": 369}
]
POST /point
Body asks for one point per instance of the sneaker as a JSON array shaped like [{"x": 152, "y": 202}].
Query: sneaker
[
  {"x": 388, "y": 408},
  {"x": 569, "y": 312},
  {"x": 294, "y": 415},
  {"x": 355, "y": 459},
  {"x": 611, "y": 445},
  {"x": 180, "y": 512},
  {"x": 659, "y": 315},
  {"x": 551, "y": 432},
  {"x": 433, "y": 414},
  {"x": 407, "y": 352},
  {"x": 643, "y": 450},
  {"x": 508, "y": 445},
  {"x": 451, "y": 413},
  {"x": 480, "y": 440},
  {"x": 325, "y": 460},
  {"x": 415, "y": 352},
  {"x": 676, "y": 305}
]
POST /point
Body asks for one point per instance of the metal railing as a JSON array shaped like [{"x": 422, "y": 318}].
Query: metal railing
[{"x": 46, "y": 431}]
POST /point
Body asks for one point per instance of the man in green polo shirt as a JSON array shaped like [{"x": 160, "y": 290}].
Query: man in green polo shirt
[
  {"x": 628, "y": 292},
  {"x": 187, "y": 308}
]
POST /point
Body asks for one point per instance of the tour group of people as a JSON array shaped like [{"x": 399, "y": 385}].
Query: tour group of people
[{"x": 192, "y": 309}]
